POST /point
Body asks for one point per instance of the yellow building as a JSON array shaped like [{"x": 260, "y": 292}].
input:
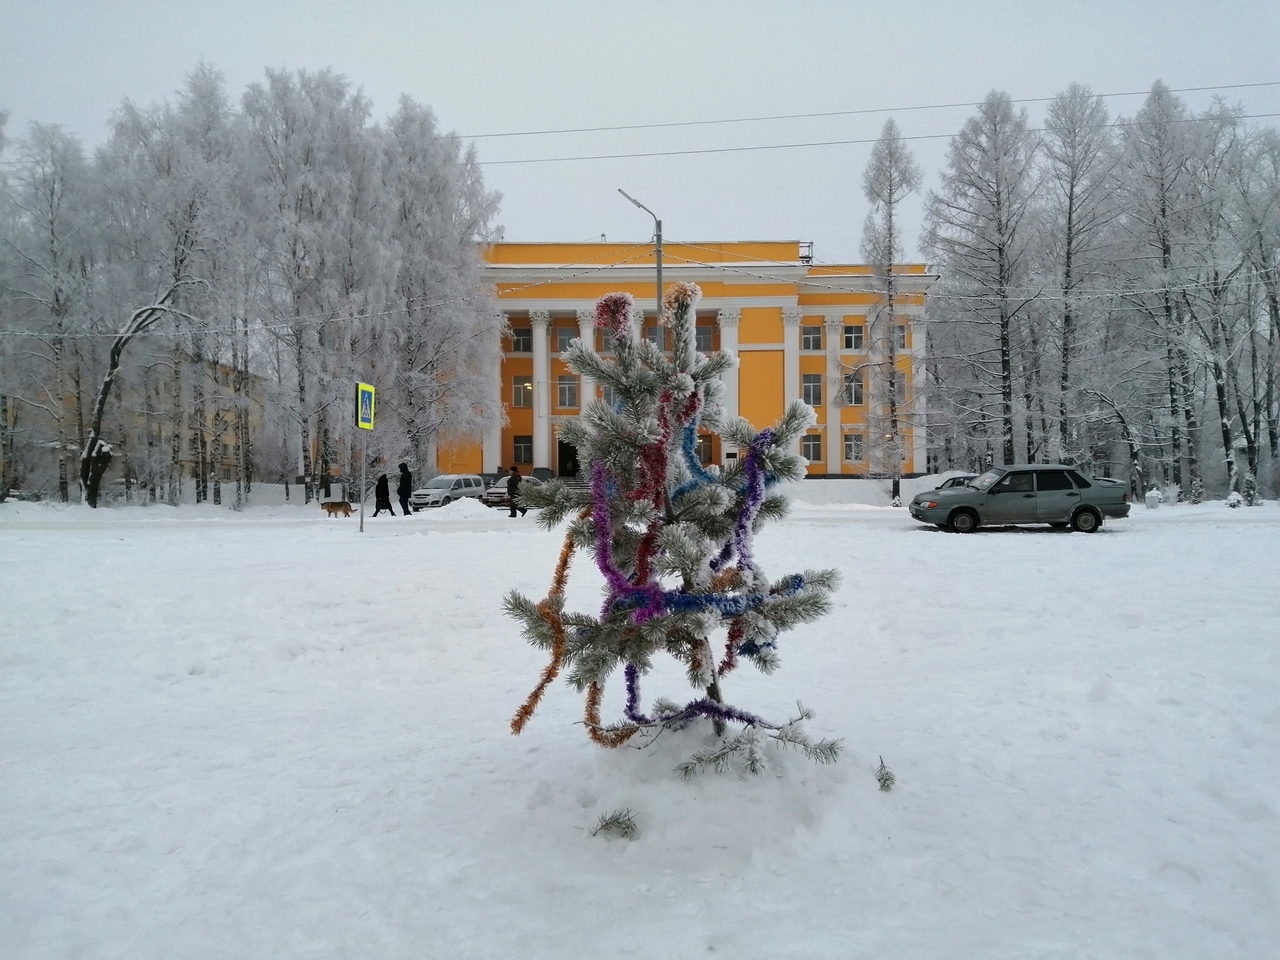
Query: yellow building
[{"x": 816, "y": 332}]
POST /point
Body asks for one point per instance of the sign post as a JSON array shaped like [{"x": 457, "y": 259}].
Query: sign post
[{"x": 364, "y": 420}]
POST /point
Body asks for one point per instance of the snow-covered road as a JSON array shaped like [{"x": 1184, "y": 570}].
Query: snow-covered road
[{"x": 265, "y": 735}]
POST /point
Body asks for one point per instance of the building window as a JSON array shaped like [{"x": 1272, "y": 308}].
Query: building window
[
  {"x": 522, "y": 391},
  {"x": 853, "y": 447},
  {"x": 522, "y": 340},
  {"x": 523, "y": 449},
  {"x": 228, "y": 472},
  {"x": 855, "y": 389},
  {"x": 567, "y": 391},
  {"x": 565, "y": 336},
  {"x": 897, "y": 383},
  {"x": 853, "y": 336},
  {"x": 608, "y": 395},
  {"x": 654, "y": 335},
  {"x": 704, "y": 448},
  {"x": 811, "y": 447},
  {"x": 704, "y": 338},
  {"x": 811, "y": 389},
  {"x": 811, "y": 338},
  {"x": 900, "y": 337}
]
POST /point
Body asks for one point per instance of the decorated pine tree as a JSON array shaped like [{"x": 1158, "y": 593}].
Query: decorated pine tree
[{"x": 673, "y": 542}]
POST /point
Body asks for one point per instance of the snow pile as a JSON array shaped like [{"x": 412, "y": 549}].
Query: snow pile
[
  {"x": 810, "y": 493},
  {"x": 464, "y": 508},
  {"x": 211, "y": 748}
]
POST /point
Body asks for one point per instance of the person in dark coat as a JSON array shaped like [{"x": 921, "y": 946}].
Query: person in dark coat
[
  {"x": 382, "y": 496},
  {"x": 404, "y": 488},
  {"x": 513, "y": 491}
]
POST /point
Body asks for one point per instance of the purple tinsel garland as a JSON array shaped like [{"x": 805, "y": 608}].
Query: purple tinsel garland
[
  {"x": 702, "y": 707},
  {"x": 755, "y": 484},
  {"x": 632, "y": 709},
  {"x": 649, "y": 595}
]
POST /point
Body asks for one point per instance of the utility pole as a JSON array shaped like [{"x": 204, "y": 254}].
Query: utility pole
[{"x": 657, "y": 228}]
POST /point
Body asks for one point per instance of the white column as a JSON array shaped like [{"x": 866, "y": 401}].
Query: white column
[
  {"x": 491, "y": 443},
  {"x": 919, "y": 412},
  {"x": 587, "y": 333},
  {"x": 835, "y": 382},
  {"x": 791, "y": 317},
  {"x": 637, "y": 323},
  {"x": 541, "y": 322},
  {"x": 727, "y": 319}
]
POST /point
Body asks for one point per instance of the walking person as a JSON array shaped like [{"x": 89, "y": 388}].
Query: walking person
[
  {"x": 382, "y": 496},
  {"x": 513, "y": 491},
  {"x": 404, "y": 488}
]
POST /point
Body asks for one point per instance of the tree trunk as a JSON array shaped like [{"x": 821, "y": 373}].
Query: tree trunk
[
  {"x": 179, "y": 432},
  {"x": 304, "y": 425}
]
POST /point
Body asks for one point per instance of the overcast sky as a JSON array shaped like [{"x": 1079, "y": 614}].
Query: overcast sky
[{"x": 508, "y": 67}]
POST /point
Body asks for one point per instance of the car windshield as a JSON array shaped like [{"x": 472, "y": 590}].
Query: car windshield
[
  {"x": 987, "y": 479},
  {"x": 440, "y": 483}
]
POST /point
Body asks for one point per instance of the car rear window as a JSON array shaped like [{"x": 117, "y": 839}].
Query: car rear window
[
  {"x": 1053, "y": 480},
  {"x": 1081, "y": 482}
]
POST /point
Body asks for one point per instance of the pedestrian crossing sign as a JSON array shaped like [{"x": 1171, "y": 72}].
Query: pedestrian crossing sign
[{"x": 364, "y": 406}]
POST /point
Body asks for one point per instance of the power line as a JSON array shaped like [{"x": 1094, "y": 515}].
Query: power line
[
  {"x": 739, "y": 120},
  {"x": 1027, "y": 293},
  {"x": 815, "y": 143},
  {"x": 832, "y": 113}
]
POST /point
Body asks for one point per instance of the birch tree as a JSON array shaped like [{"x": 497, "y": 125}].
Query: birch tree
[
  {"x": 1156, "y": 207},
  {"x": 447, "y": 350},
  {"x": 50, "y": 256},
  {"x": 299, "y": 127}
]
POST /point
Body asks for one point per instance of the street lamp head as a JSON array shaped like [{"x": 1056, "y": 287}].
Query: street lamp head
[{"x": 638, "y": 203}]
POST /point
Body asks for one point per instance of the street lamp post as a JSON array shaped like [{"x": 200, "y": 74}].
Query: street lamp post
[{"x": 657, "y": 228}]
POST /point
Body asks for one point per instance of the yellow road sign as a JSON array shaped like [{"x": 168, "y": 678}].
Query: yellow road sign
[{"x": 364, "y": 406}]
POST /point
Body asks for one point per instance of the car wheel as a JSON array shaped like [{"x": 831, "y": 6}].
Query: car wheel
[
  {"x": 446, "y": 501},
  {"x": 964, "y": 521},
  {"x": 1086, "y": 521}
]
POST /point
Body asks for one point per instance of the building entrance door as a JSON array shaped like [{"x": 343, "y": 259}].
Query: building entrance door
[{"x": 566, "y": 459}]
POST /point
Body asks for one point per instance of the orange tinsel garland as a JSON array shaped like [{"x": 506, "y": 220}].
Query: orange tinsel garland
[
  {"x": 604, "y": 736},
  {"x": 548, "y": 613}
]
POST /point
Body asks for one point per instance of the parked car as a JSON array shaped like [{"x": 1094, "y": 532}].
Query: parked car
[
  {"x": 496, "y": 496},
  {"x": 1051, "y": 493},
  {"x": 956, "y": 481},
  {"x": 445, "y": 489}
]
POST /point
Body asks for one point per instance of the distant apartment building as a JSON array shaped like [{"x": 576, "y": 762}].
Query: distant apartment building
[{"x": 800, "y": 330}]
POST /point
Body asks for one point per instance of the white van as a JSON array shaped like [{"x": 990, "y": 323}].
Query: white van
[{"x": 445, "y": 489}]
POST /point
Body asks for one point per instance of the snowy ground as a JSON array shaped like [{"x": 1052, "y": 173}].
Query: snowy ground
[{"x": 263, "y": 735}]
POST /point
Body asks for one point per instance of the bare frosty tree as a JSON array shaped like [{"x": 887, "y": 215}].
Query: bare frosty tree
[
  {"x": 328, "y": 250},
  {"x": 1080, "y": 210},
  {"x": 978, "y": 230},
  {"x": 49, "y": 257},
  {"x": 890, "y": 177},
  {"x": 445, "y": 354},
  {"x": 1156, "y": 204}
]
